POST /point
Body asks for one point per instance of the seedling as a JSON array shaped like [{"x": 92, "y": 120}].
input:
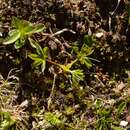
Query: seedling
[{"x": 21, "y": 30}]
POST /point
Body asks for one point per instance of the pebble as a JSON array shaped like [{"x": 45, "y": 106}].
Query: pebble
[{"x": 123, "y": 123}]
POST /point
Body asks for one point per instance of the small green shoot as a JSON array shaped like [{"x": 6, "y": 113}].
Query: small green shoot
[
  {"x": 39, "y": 57},
  {"x": 21, "y": 31},
  {"x": 7, "y": 121},
  {"x": 121, "y": 108},
  {"x": 77, "y": 75},
  {"x": 83, "y": 55},
  {"x": 52, "y": 118}
]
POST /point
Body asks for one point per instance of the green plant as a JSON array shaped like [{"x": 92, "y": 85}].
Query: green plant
[
  {"x": 40, "y": 57},
  {"x": 77, "y": 75},
  {"x": 85, "y": 51},
  {"x": 104, "y": 120},
  {"x": 21, "y": 30},
  {"x": 82, "y": 56},
  {"x": 117, "y": 128},
  {"x": 121, "y": 108},
  {"x": 7, "y": 121},
  {"x": 7, "y": 88},
  {"x": 52, "y": 118},
  {"x": 11, "y": 116}
]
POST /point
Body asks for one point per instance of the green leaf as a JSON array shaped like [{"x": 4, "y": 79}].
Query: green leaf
[
  {"x": 86, "y": 50},
  {"x": 35, "y": 29},
  {"x": 88, "y": 62},
  {"x": 15, "y": 22},
  {"x": 77, "y": 75},
  {"x": 18, "y": 44},
  {"x": 64, "y": 68},
  {"x": 43, "y": 66},
  {"x": 52, "y": 118},
  {"x": 15, "y": 35},
  {"x": 37, "y": 62},
  {"x": 39, "y": 59},
  {"x": 68, "y": 66},
  {"x": 33, "y": 43},
  {"x": 4, "y": 125},
  {"x": 84, "y": 60},
  {"x": 38, "y": 28},
  {"x": 39, "y": 50},
  {"x": 7, "y": 121},
  {"x": 12, "y": 32},
  {"x": 88, "y": 40},
  {"x": 44, "y": 52},
  {"x": 121, "y": 107},
  {"x": 28, "y": 30},
  {"x": 117, "y": 128},
  {"x": 98, "y": 103},
  {"x": 75, "y": 49},
  {"x": 23, "y": 25},
  {"x": 34, "y": 56}
]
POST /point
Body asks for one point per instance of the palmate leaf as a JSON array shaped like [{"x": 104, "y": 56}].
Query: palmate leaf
[
  {"x": 67, "y": 67},
  {"x": 40, "y": 62},
  {"x": 82, "y": 56},
  {"x": 84, "y": 60},
  {"x": 23, "y": 29},
  {"x": 26, "y": 26},
  {"x": 86, "y": 50},
  {"x": 52, "y": 118},
  {"x": 77, "y": 75},
  {"x": 88, "y": 62},
  {"x": 40, "y": 58},
  {"x": 14, "y": 36}
]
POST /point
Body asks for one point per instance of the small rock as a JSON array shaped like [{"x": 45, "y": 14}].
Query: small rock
[
  {"x": 99, "y": 35},
  {"x": 123, "y": 123}
]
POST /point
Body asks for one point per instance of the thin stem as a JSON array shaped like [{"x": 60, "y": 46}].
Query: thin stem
[
  {"x": 52, "y": 62},
  {"x": 52, "y": 92}
]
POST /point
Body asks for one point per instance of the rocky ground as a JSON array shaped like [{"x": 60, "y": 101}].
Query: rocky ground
[{"x": 32, "y": 100}]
